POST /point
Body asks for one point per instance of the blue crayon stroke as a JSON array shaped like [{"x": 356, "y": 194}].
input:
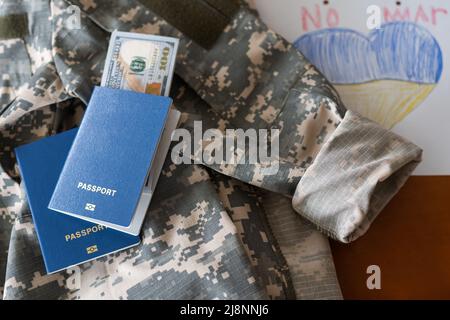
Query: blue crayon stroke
[{"x": 396, "y": 51}]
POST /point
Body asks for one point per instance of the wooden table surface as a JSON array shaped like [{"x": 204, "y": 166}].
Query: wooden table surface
[{"x": 409, "y": 241}]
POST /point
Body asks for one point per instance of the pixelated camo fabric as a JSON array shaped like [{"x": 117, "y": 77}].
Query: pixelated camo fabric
[{"x": 212, "y": 231}]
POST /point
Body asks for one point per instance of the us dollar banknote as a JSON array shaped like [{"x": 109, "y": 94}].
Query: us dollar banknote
[{"x": 140, "y": 62}]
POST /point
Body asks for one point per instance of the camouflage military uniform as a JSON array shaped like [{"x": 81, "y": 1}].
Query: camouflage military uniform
[{"x": 212, "y": 231}]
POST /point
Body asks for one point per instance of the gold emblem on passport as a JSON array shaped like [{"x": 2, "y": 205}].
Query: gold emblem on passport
[{"x": 91, "y": 249}]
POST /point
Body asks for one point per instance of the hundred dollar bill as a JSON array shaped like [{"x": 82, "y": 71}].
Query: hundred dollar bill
[{"x": 140, "y": 62}]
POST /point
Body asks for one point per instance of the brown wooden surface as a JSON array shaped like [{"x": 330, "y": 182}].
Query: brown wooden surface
[{"x": 410, "y": 241}]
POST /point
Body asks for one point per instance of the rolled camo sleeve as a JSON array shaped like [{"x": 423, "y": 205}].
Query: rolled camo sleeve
[{"x": 355, "y": 174}]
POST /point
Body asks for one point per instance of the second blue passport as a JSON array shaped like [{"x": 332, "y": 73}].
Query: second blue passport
[{"x": 65, "y": 241}]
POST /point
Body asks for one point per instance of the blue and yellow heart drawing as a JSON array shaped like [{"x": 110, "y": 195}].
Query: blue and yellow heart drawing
[{"x": 384, "y": 75}]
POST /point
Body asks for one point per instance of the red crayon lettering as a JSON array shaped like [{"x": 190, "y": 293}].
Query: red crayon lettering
[
  {"x": 421, "y": 15},
  {"x": 397, "y": 15},
  {"x": 332, "y": 18},
  {"x": 435, "y": 12},
  {"x": 306, "y": 15}
]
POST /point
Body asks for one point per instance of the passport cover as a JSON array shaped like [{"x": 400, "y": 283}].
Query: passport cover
[
  {"x": 106, "y": 169},
  {"x": 65, "y": 241}
]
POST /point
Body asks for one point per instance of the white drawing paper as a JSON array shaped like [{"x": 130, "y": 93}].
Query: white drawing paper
[{"x": 393, "y": 70}]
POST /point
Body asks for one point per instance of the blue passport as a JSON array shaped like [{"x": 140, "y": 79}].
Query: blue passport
[
  {"x": 107, "y": 176},
  {"x": 65, "y": 241}
]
